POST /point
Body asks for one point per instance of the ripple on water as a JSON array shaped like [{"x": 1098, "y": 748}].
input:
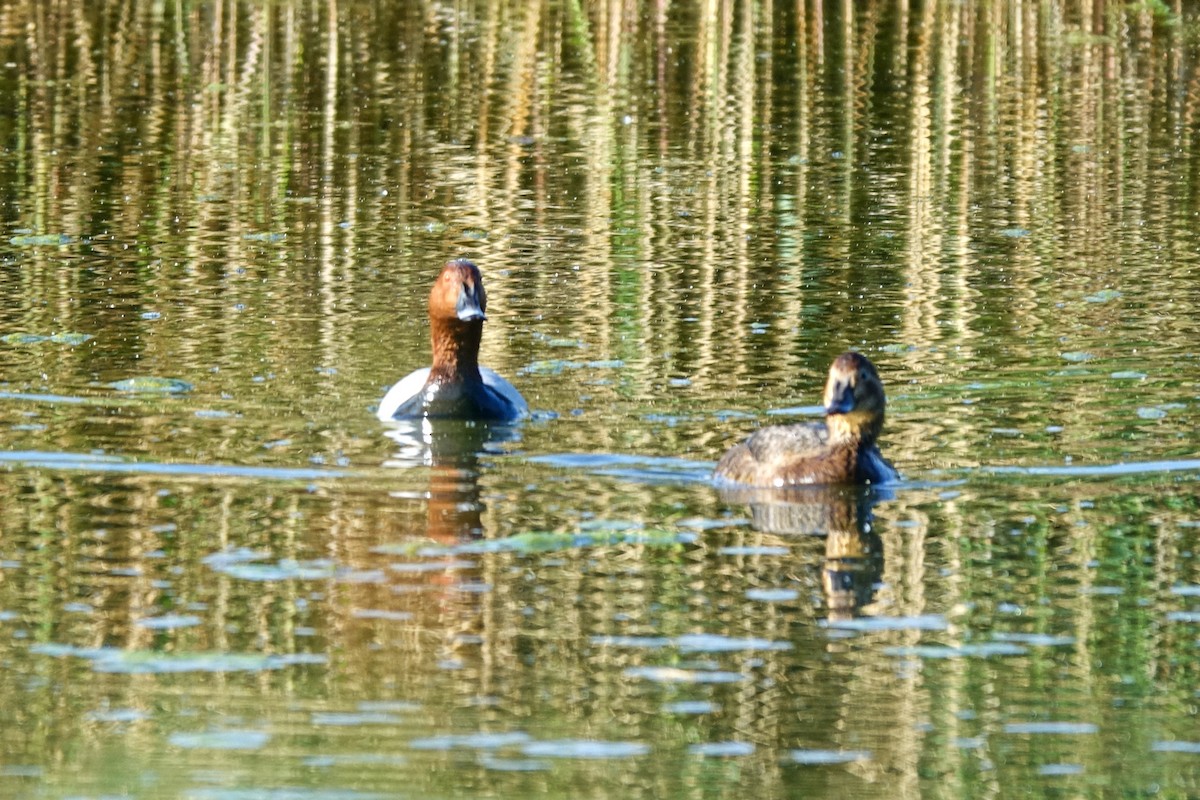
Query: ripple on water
[
  {"x": 232, "y": 739},
  {"x": 91, "y": 462},
  {"x": 531, "y": 542},
  {"x": 585, "y": 748},
  {"x": 112, "y": 660},
  {"x": 716, "y": 643},
  {"x": 394, "y": 706},
  {"x": 645, "y": 469},
  {"x": 440, "y": 565},
  {"x": 555, "y": 366},
  {"x": 679, "y": 675},
  {"x": 692, "y": 643},
  {"x": 284, "y": 794},
  {"x": 772, "y": 595},
  {"x": 118, "y": 715},
  {"x": 72, "y": 339},
  {"x": 797, "y": 411},
  {"x": 213, "y": 413},
  {"x": 240, "y": 565},
  {"x": 1034, "y": 639},
  {"x": 483, "y": 740},
  {"x": 721, "y": 749},
  {"x": 708, "y": 523},
  {"x": 169, "y": 622},
  {"x": 691, "y": 707},
  {"x": 349, "y": 719},
  {"x": 1102, "y": 470},
  {"x": 234, "y": 555},
  {"x": 750, "y": 550},
  {"x": 920, "y": 622},
  {"x": 647, "y": 642},
  {"x": 828, "y": 756},
  {"x": 1102, "y": 590},
  {"x": 1174, "y": 746},
  {"x": 974, "y": 650},
  {"x": 1060, "y": 769},
  {"x": 354, "y": 759},
  {"x": 152, "y": 384},
  {"x": 1050, "y": 727},
  {"x": 381, "y": 614},
  {"x": 492, "y": 762}
]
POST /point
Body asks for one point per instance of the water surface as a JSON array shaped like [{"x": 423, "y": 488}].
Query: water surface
[{"x": 220, "y": 577}]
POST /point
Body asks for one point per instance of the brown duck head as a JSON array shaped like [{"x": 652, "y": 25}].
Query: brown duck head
[
  {"x": 854, "y": 400},
  {"x": 457, "y": 310}
]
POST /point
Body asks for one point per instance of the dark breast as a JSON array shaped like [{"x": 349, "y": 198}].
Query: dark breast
[{"x": 458, "y": 400}]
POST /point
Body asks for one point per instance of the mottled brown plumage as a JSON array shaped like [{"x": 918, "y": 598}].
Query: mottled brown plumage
[{"x": 840, "y": 449}]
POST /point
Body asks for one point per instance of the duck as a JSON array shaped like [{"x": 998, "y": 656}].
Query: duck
[
  {"x": 455, "y": 386},
  {"x": 841, "y": 449}
]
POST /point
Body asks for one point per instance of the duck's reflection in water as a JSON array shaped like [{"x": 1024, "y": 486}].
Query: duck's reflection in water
[
  {"x": 843, "y": 515},
  {"x": 450, "y": 449},
  {"x": 444, "y": 593}
]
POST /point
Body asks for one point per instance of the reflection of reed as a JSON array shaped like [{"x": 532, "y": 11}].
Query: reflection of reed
[
  {"x": 702, "y": 190},
  {"x": 689, "y": 174},
  {"x": 525, "y": 634},
  {"x": 683, "y": 184}
]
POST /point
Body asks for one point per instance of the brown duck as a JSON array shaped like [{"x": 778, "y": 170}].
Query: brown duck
[
  {"x": 456, "y": 385},
  {"x": 841, "y": 449}
]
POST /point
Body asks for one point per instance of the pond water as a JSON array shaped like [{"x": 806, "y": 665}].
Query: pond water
[{"x": 221, "y": 577}]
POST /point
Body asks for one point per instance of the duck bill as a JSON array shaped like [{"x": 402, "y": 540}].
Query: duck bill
[
  {"x": 842, "y": 401},
  {"x": 468, "y": 309}
]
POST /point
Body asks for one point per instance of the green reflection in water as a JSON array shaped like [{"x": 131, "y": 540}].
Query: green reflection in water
[{"x": 995, "y": 201}]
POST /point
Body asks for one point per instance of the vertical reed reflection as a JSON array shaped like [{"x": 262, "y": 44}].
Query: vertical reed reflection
[
  {"x": 671, "y": 167},
  {"x": 714, "y": 192}
]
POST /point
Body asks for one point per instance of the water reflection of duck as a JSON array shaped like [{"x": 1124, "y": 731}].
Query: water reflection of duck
[
  {"x": 853, "y": 566},
  {"x": 843, "y": 516},
  {"x": 451, "y": 450},
  {"x": 841, "y": 449},
  {"x": 455, "y": 386}
]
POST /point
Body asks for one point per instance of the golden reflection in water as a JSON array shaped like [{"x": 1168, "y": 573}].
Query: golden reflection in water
[
  {"x": 237, "y": 53},
  {"x": 697, "y": 190},
  {"x": 842, "y": 517},
  {"x": 716, "y": 191},
  {"x": 527, "y": 633},
  {"x": 488, "y": 112}
]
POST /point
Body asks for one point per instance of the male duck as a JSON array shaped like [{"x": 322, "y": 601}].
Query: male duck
[
  {"x": 841, "y": 449},
  {"x": 455, "y": 386}
]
